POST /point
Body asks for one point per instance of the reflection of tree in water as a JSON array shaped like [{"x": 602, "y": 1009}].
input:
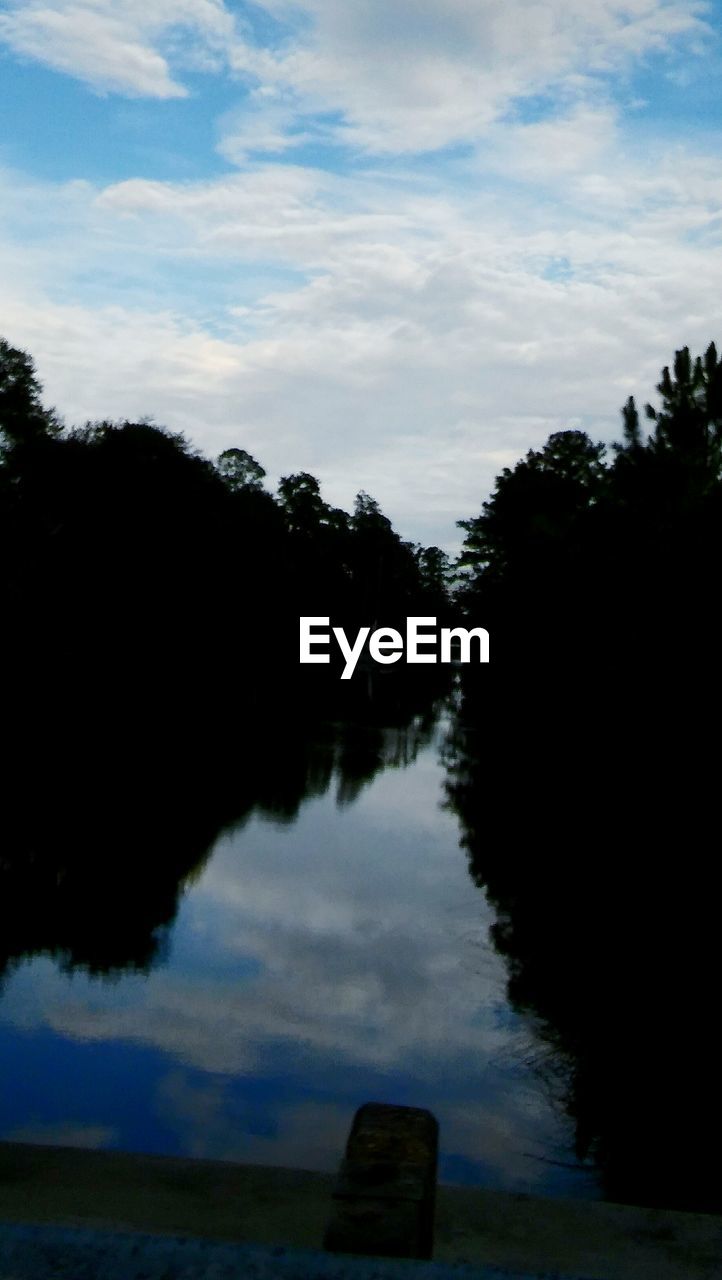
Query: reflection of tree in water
[
  {"x": 616, "y": 956},
  {"x": 94, "y": 876},
  {"x": 585, "y": 772},
  {"x": 151, "y": 690},
  {"x": 363, "y": 752}
]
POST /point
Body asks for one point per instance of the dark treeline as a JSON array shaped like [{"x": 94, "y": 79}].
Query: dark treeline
[
  {"x": 151, "y": 686},
  {"x": 141, "y": 575},
  {"x": 133, "y": 559},
  {"x": 585, "y": 770}
]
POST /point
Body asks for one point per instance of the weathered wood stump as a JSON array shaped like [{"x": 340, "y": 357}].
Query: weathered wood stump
[{"x": 383, "y": 1202}]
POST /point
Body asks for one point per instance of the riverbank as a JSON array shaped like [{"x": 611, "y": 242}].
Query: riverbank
[{"x": 218, "y": 1200}]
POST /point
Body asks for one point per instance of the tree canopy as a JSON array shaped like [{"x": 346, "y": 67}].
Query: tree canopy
[{"x": 584, "y": 770}]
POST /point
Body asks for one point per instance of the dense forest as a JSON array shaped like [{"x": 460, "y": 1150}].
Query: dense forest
[
  {"x": 152, "y": 691},
  {"x": 152, "y": 597},
  {"x": 135, "y": 561},
  {"x": 585, "y": 768},
  {"x": 150, "y": 665}
]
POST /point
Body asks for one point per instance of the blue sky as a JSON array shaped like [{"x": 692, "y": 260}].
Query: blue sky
[{"x": 394, "y": 242}]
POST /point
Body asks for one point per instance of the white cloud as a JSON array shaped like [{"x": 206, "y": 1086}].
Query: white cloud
[
  {"x": 403, "y": 77},
  {"x": 420, "y": 312},
  {"x": 112, "y": 44},
  {"x": 412, "y": 338},
  {"x": 565, "y": 144},
  {"x": 419, "y": 75},
  {"x": 398, "y": 328}
]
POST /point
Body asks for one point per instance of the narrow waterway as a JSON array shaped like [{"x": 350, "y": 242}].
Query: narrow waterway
[{"x": 315, "y": 963}]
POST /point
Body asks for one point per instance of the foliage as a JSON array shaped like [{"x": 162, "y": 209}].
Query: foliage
[
  {"x": 584, "y": 772},
  {"x": 240, "y": 470},
  {"x": 22, "y": 416},
  {"x": 535, "y": 505}
]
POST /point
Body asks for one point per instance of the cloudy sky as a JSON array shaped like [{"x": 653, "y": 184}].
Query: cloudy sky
[{"x": 392, "y": 242}]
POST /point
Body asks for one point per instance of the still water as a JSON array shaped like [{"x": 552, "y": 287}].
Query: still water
[{"x": 314, "y": 964}]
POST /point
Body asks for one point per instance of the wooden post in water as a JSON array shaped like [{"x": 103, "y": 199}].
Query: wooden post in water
[{"x": 383, "y": 1202}]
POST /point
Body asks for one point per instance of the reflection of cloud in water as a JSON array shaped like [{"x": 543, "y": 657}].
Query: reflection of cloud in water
[
  {"x": 64, "y": 1133},
  {"x": 215, "y": 1125},
  {"x": 346, "y": 953}
]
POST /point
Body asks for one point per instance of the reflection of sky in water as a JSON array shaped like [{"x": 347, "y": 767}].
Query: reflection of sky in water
[{"x": 312, "y": 967}]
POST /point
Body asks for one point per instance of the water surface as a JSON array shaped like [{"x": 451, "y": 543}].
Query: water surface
[{"x": 314, "y": 964}]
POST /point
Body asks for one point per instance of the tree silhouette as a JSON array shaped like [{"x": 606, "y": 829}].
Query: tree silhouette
[
  {"x": 149, "y": 648},
  {"x": 240, "y": 470},
  {"x": 689, "y": 424},
  {"x": 300, "y": 497},
  {"x": 584, "y": 774},
  {"x": 22, "y": 416},
  {"x": 535, "y": 506}
]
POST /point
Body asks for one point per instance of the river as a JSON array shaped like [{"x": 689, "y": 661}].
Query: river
[{"x": 317, "y": 961}]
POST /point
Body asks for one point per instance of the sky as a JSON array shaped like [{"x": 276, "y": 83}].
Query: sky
[{"x": 395, "y": 243}]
